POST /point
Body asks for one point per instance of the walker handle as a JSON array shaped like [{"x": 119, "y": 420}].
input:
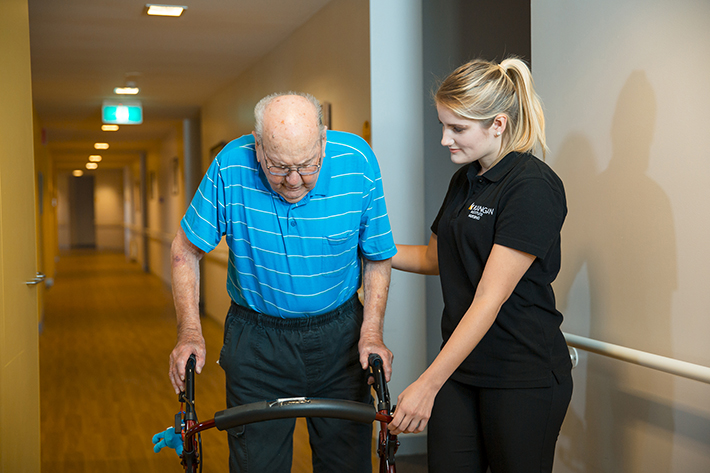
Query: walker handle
[{"x": 378, "y": 374}]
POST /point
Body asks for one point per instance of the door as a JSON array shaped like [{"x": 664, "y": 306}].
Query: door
[
  {"x": 82, "y": 228},
  {"x": 19, "y": 339}
]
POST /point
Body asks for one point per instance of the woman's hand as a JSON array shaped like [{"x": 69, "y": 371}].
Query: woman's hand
[{"x": 413, "y": 408}]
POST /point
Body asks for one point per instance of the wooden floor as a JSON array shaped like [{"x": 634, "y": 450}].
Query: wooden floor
[{"x": 107, "y": 332}]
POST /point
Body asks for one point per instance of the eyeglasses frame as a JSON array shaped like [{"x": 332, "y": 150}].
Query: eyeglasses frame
[{"x": 289, "y": 169}]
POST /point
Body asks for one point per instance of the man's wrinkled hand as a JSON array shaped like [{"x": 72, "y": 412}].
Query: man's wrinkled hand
[
  {"x": 188, "y": 344},
  {"x": 373, "y": 344}
]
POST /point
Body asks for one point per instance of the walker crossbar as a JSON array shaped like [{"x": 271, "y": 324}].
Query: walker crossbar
[
  {"x": 295, "y": 407},
  {"x": 187, "y": 425}
]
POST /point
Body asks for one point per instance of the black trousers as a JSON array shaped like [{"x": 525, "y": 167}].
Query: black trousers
[
  {"x": 267, "y": 358},
  {"x": 508, "y": 430}
]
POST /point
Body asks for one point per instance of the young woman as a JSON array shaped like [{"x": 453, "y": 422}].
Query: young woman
[{"x": 498, "y": 391}]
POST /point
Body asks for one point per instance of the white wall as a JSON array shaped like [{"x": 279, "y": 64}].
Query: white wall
[
  {"x": 625, "y": 85},
  {"x": 328, "y": 56}
]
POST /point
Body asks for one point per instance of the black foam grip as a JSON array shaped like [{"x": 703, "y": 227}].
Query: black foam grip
[{"x": 290, "y": 408}]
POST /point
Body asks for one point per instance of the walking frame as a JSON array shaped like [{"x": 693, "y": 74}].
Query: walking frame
[{"x": 185, "y": 437}]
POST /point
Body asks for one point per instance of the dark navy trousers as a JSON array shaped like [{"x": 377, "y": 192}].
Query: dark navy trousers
[{"x": 267, "y": 358}]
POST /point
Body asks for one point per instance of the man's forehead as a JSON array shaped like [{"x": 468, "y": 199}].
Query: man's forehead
[{"x": 291, "y": 155}]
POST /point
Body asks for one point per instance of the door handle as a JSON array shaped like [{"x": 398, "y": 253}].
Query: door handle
[{"x": 36, "y": 280}]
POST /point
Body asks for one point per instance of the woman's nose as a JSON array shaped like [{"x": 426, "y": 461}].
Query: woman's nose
[{"x": 446, "y": 140}]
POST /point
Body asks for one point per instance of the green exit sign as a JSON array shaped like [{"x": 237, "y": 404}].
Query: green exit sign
[{"x": 122, "y": 113}]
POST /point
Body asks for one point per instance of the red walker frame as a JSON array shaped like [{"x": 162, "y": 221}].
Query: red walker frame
[{"x": 187, "y": 424}]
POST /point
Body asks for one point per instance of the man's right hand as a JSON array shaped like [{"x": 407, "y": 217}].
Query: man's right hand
[{"x": 186, "y": 345}]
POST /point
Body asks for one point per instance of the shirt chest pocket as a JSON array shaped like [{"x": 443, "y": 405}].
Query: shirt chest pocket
[{"x": 339, "y": 253}]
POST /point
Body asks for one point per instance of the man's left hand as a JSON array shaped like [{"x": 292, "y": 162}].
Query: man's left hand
[{"x": 373, "y": 344}]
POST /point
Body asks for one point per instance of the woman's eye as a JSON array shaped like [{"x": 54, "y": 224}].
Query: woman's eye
[{"x": 457, "y": 129}]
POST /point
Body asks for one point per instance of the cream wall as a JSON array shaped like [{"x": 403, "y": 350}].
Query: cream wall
[
  {"x": 62, "y": 182},
  {"x": 165, "y": 201},
  {"x": 108, "y": 209},
  {"x": 328, "y": 56},
  {"x": 108, "y": 201},
  {"x": 624, "y": 83}
]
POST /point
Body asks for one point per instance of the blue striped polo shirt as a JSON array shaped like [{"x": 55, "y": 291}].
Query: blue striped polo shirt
[{"x": 293, "y": 260}]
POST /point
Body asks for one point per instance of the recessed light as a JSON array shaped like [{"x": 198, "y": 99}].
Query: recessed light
[
  {"x": 100, "y": 145},
  {"x": 77, "y": 173},
  {"x": 165, "y": 10},
  {"x": 126, "y": 90},
  {"x": 95, "y": 158},
  {"x": 91, "y": 165},
  {"x": 109, "y": 127}
]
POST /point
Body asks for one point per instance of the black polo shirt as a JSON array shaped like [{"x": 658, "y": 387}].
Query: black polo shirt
[{"x": 519, "y": 203}]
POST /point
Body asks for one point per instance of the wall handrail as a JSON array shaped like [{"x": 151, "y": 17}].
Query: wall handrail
[{"x": 649, "y": 360}]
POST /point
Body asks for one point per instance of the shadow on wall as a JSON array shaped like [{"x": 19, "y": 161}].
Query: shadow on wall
[{"x": 620, "y": 231}]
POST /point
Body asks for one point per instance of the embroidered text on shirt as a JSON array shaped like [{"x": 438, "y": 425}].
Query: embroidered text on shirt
[{"x": 477, "y": 211}]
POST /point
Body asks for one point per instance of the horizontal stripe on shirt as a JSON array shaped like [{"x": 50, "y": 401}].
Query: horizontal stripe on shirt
[{"x": 293, "y": 260}]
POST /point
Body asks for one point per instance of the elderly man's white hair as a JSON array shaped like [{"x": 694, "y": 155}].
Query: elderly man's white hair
[{"x": 263, "y": 103}]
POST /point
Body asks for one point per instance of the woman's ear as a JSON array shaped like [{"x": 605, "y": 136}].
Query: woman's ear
[{"x": 500, "y": 122}]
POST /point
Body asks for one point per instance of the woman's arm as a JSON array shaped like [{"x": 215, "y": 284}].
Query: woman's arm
[
  {"x": 422, "y": 259},
  {"x": 503, "y": 271}
]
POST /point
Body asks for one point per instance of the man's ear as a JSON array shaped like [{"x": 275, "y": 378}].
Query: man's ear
[{"x": 256, "y": 143}]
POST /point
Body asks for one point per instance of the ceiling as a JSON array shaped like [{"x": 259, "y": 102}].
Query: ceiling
[{"x": 82, "y": 49}]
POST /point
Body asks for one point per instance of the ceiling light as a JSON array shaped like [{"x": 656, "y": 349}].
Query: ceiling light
[
  {"x": 165, "y": 10},
  {"x": 77, "y": 173},
  {"x": 126, "y": 90},
  {"x": 95, "y": 158},
  {"x": 91, "y": 165},
  {"x": 109, "y": 127},
  {"x": 100, "y": 145}
]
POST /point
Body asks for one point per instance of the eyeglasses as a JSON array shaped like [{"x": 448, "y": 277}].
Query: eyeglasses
[{"x": 283, "y": 171}]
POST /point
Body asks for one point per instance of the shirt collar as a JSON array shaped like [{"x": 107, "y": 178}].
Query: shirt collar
[
  {"x": 498, "y": 171},
  {"x": 323, "y": 185}
]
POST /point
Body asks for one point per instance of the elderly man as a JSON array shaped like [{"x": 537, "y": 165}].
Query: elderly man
[{"x": 301, "y": 210}]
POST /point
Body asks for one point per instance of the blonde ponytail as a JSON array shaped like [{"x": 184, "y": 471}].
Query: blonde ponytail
[{"x": 481, "y": 90}]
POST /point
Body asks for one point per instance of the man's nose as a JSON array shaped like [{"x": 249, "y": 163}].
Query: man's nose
[{"x": 293, "y": 176}]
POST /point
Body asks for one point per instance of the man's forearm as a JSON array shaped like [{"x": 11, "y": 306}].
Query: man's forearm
[
  {"x": 185, "y": 270},
  {"x": 376, "y": 283}
]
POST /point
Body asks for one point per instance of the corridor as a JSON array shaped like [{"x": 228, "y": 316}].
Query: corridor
[{"x": 108, "y": 331}]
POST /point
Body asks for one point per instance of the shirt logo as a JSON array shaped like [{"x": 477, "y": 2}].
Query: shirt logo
[{"x": 477, "y": 211}]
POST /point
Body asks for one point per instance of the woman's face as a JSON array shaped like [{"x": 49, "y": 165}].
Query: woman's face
[{"x": 468, "y": 140}]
